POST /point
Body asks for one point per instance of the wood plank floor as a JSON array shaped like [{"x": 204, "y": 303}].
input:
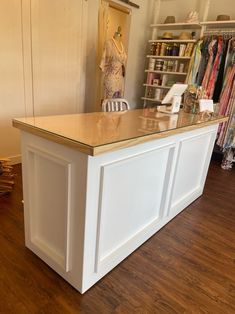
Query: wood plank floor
[{"x": 187, "y": 267}]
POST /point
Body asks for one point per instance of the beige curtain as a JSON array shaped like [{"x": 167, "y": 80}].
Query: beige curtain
[{"x": 102, "y": 37}]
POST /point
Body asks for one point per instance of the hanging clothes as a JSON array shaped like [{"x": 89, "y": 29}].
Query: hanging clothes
[
  {"x": 220, "y": 78},
  {"x": 203, "y": 61},
  {"x": 194, "y": 64},
  {"x": 113, "y": 65},
  {"x": 226, "y": 103},
  {"x": 215, "y": 69},
  {"x": 211, "y": 50}
]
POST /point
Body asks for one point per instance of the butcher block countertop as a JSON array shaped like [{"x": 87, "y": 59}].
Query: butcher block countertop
[{"x": 100, "y": 132}]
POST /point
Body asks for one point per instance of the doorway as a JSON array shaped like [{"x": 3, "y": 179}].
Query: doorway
[{"x": 112, "y": 17}]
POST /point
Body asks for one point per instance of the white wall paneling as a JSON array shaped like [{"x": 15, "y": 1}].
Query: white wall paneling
[
  {"x": 84, "y": 214},
  {"x": 11, "y": 78},
  {"x": 58, "y": 37}
]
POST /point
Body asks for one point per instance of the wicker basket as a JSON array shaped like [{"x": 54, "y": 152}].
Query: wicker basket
[{"x": 6, "y": 177}]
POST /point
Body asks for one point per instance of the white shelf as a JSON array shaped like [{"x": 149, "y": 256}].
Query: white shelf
[
  {"x": 172, "y": 41},
  {"x": 157, "y": 86},
  {"x": 177, "y": 26},
  {"x": 166, "y": 72},
  {"x": 151, "y": 99},
  {"x": 168, "y": 57},
  {"x": 230, "y": 23}
]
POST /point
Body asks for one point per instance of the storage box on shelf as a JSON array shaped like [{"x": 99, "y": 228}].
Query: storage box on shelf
[{"x": 168, "y": 59}]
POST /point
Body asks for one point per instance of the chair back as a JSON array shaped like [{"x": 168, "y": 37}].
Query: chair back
[{"x": 115, "y": 104}]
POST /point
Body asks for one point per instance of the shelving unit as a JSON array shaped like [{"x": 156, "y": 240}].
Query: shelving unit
[
  {"x": 200, "y": 29},
  {"x": 176, "y": 76}
]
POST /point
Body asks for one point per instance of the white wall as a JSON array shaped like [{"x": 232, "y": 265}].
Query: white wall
[{"x": 222, "y": 7}]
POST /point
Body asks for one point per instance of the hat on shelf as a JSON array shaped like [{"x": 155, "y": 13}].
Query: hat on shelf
[
  {"x": 185, "y": 36},
  {"x": 223, "y": 17},
  {"x": 167, "y": 35},
  {"x": 169, "y": 19},
  {"x": 192, "y": 17}
]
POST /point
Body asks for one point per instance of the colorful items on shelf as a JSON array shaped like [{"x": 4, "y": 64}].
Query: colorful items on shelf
[
  {"x": 172, "y": 49},
  {"x": 166, "y": 65}
]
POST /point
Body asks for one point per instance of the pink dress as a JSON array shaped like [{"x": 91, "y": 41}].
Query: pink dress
[{"x": 113, "y": 65}]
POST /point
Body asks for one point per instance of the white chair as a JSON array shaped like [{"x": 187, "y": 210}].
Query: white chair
[{"x": 115, "y": 104}]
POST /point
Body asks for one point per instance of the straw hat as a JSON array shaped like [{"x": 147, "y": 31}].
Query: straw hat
[
  {"x": 223, "y": 17},
  {"x": 169, "y": 19},
  {"x": 167, "y": 35},
  {"x": 185, "y": 36}
]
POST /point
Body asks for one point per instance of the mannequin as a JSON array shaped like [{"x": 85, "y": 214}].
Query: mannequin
[
  {"x": 113, "y": 66},
  {"x": 118, "y": 38}
]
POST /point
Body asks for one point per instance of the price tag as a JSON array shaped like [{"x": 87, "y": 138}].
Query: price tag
[{"x": 206, "y": 105}]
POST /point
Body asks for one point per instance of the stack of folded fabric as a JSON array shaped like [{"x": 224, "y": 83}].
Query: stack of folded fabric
[{"x": 6, "y": 177}]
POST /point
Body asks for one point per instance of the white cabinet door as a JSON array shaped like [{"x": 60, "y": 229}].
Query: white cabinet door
[{"x": 191, "y": 169}]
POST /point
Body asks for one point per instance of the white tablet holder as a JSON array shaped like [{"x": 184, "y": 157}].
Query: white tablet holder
[{"x": 173, "y": 98}]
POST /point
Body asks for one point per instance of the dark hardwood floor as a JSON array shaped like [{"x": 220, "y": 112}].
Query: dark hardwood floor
[{"x": 187, "y": 267}]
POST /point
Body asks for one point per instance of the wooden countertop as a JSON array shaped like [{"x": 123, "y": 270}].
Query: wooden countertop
[{"x": 99, "y": 132}]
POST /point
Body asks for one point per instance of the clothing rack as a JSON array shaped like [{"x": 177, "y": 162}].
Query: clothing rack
[
  {"x": 218, "y": 78},
  {"x": 219, "y": 32}
]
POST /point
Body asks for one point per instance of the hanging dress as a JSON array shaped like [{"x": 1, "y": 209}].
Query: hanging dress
[{"x": 113, "y": 66}]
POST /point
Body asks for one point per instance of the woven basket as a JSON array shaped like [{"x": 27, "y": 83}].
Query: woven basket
[{"x": 6, "y": 177}]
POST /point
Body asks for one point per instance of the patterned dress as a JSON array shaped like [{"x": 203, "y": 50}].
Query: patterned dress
[{"x": 113, "y": 65}]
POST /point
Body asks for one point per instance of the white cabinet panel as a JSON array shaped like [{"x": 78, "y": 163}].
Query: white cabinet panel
[
  {"x": 132, "y": 197},
  {"x": 191, "y": 168},
  {"x": 50, "y": 221}
]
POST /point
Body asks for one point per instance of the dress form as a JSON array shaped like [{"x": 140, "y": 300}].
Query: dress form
[{"x": 117, "y": 37}]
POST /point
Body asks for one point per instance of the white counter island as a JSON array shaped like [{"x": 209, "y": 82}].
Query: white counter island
[{"x": 98, "y": 185}]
